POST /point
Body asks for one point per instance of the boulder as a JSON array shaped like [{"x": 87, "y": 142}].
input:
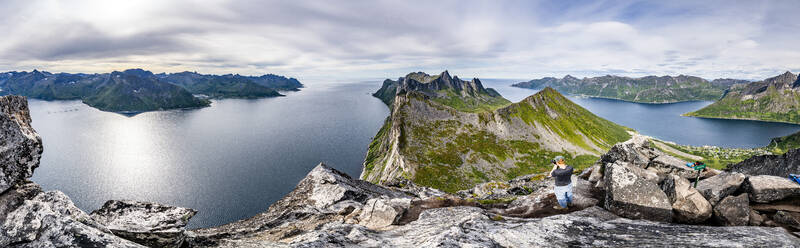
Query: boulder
[
  {"x": 733, "y": 210},
  {"x": 766, "y": 188},
  {"x": 382, "y": 212},
  {"x": 790, "y": 219},
  {"x": 146, "y": 223},
  {"x": 323, "y": 196},
  {"x": 775, "y": 165},
  {"x": 718, "y": 187},
  {"x": 688, "y": 205},
  {"x": 20, "y": 145},
  {"x": 49, "y": 219},
  {"x": 636, "y": 151},
  {"x": 597, "y": 173},
  {"x": 632, "y": 196}
]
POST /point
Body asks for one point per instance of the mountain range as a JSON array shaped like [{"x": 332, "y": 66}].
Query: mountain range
[
  {"x": 649, "y": 89},
  {"x": 451, "y": 134},
  {"x": 137, "y": 90},
  {"x": 773, "y": 99}
]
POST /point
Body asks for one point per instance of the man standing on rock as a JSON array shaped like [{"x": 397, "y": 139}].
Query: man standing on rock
[{"x": 563, "y": 189}]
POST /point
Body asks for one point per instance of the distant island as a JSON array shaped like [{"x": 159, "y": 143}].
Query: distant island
[
  {"x": 775, "y": 99},
  {"x": 451, "y": 134},
  {"x": 137, "y": 90},
  {"x": 649, "y": 89}
]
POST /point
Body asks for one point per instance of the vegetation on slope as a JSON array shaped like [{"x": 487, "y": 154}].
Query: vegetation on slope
[
  {"x": 650, "y": 89},
  {"x": 569, "y": 120},
  {"x": 140, "y": 91},
  {"x": 480, "y": 102},
  {"x": 129, "y": 93},
  {"x": 720, "y": 158},
  {"x": 465, "y": 149},
  {"x": 775, "y": 99},
  {"x": 783, "y": 144}
]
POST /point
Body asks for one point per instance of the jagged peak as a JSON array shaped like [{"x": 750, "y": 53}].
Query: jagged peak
[
  {"x": 570, "y": 77},
  {"x": 787, "y": 78}
]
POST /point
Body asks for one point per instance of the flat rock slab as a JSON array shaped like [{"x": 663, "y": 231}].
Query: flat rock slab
[
  {"x": 766, "y": 188},
  {"x": 718, "y": 187},
  {"x": 146, "y": 223},
  {"x": 592, "y": 227}
]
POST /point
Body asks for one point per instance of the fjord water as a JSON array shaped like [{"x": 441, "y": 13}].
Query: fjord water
[
  {"x": 232, "y": 160},
  {"x": 229, "y": 161}
]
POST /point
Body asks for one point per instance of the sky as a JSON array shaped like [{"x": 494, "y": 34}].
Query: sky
[{"x": 329, "y": 39}]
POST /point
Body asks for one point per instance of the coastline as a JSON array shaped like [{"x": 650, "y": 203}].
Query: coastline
[{"x": 735, "y": 118}]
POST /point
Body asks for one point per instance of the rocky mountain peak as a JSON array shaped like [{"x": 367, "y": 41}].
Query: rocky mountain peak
[{"x": 784, "y": 80}]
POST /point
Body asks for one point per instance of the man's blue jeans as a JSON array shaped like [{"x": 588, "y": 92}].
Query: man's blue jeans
[{"x": 564, "y": 194}]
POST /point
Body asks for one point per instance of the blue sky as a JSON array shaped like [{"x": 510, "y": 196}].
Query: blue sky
[{"x": 378, "y": 39}]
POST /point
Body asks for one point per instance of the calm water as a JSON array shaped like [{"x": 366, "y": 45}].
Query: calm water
[
  {"x": 229, "y": 161},
  {"x": 233, "y": 159}
]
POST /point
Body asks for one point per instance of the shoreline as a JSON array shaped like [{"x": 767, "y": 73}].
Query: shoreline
[{"x": 734, "y": 118}]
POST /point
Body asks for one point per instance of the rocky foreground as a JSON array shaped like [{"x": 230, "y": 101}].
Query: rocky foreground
[{"x": 634, "y": 196}]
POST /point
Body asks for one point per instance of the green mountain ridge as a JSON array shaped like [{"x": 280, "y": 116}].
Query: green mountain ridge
[
  {"x": 649, "y": 89},
  {"x": 452, "y": 134},
  {"x": 775, "y": 99},
  {"x": 137, "y": 90},
  {"x": 128, "y": 93}
]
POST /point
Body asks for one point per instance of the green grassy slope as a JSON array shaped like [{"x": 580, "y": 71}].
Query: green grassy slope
[
  {"x": 649, "y": 89},
  {"x": 733, "y": 107},
  {"x": 455, "y": 153}
]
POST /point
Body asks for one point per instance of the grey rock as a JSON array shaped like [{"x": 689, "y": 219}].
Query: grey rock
[
  {"x": 733, "y": 210},
  {"x": 20, "y": 145},
  {"x": 766, "y": 188},
  {"x": 790, "y": 219},
  {"x": 688, "y": 205},
  {"x": 597, "y": 173},
  {"x": 146, "y": 223},
  {"x": 50, "y": 219},
  {"x": 636, "y": 151},
  {"x": 632, "y": 196},
  {"x": 592, "y": 227},
  {"x": 313, "y": 203},
  {"x": 775, "y": 165},
  {"x": 718, "y": 187},
  {"x": 383, "y": 212}
]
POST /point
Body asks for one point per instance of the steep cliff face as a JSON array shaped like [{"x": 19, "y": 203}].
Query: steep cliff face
[
  {"x": 773, "y": 99},
  {"x": 650, "y": 89},
  {"x": 451, "y": 134}
]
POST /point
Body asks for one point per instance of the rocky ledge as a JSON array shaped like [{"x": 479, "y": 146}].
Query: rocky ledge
[{"x": 634, "y": 196}]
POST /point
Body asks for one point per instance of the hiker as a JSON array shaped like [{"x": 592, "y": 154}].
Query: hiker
[{"x": 563, "y": 175}]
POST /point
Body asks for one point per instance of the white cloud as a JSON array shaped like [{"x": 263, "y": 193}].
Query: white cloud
[{"x": 345, "y": 39}]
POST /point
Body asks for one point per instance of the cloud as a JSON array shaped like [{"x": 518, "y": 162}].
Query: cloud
[{"x": 346, "y": 39}]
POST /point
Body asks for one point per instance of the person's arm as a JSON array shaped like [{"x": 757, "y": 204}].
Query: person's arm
[{"x": 551, "y": 170}]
